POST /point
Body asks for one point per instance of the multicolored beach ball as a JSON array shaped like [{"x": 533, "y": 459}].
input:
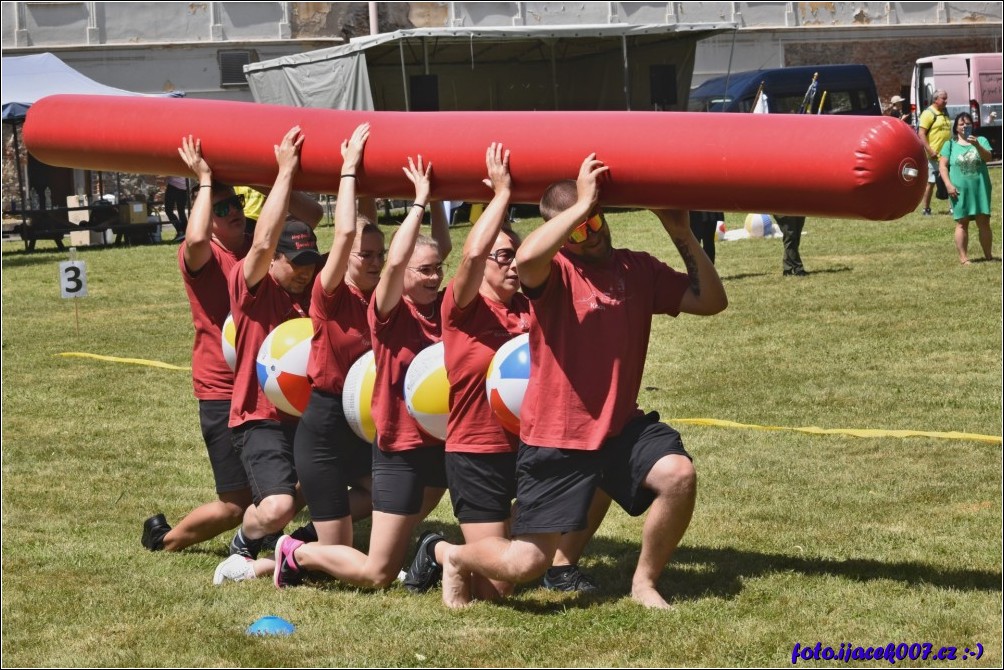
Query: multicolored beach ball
[
  {"x": 506, "y": 382},
  {"x": 282, "y": 365}
]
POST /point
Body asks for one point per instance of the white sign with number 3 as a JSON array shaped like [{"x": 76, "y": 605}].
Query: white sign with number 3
[{"x": 73, "y": 279}]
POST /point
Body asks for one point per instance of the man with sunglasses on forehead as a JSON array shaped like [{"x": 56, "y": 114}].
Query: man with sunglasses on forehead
[
  {"x": 215, "y": 242},
  {"x": 580, "y": 426}
]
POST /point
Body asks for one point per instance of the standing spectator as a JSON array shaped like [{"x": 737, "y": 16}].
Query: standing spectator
[
  {"x": 964, "y": 169},
  {"x": 176, "y": 205},
  {"x": 896, "y": 108},
  {"x": 791, "y": 236},
  {"x": 704, "y": 226},
  {"x": 935, "y": 129}
]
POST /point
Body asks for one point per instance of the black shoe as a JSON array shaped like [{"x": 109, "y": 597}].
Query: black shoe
[
  {"x": 242, "y": 546},
  {"x": 268, "y": 542},
  {"x": 424, "y": 572},
  {"x": 800, "y": 273},
  {"x": 306, "y": 533},
  {"x": 154, "y": 530},
  {"x": 568, "y": 578}
]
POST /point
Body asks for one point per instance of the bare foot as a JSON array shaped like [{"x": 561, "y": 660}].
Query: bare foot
[
  {"x": 456, "y": 583},
  {"x": 649, "y": 597},
  {"x": 965, "y": 262}
]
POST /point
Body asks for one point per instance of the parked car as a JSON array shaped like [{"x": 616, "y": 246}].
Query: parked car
[
  {"x": 973, "y": 84},
  {"x": 840, "y": 89}
]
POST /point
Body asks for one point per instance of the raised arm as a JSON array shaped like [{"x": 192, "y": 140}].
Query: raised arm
[
  {"x": 391, "y": 287},
  {"x": 199, "y": 234},
  {"x": 273, "y": 214},
  {"x": 440, "y": 221},
  {"x": 533, "y": 259},
  {"x": 705, "y": 295},
  {"x": 334, "y": 268},
  {"x": 480, "y": 240}
]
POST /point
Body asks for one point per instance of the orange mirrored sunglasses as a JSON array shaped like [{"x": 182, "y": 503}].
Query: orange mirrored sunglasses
[{"x": 581, "y": 232}]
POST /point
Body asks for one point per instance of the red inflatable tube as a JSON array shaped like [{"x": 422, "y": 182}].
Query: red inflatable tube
[{"x": 837, "y": 166}]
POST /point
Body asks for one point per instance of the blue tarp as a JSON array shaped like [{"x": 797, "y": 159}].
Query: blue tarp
[{"x": 27, "y": 79}]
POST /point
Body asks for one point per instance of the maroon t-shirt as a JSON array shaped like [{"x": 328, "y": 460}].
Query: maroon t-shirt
[
  {"x": 471, "y": 336},
  {"x": 341, "y": 334},
  {"x": 396, "y": 341},
  {"x": 210, "y": 305},
  {"x": 588, "y": 343},
  {"x": 256, "y": 314}
]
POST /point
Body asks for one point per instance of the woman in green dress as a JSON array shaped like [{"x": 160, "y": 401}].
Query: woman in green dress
[{"x": 963, "y": 167}]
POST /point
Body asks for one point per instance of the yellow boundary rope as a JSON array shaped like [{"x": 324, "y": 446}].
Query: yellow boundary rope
[
  {"x": 854, "y": 432},
  {"x": 131, "y": 361},
  {"x": 719, "y": 423}
]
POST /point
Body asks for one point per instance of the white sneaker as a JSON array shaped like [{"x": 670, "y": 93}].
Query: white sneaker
[{"x": 235, "y": 568}]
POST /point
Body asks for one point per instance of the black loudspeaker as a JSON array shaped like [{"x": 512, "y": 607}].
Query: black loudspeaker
[
  {"x": 662, "y": 80},
  {"x": 423, "y": 90}
]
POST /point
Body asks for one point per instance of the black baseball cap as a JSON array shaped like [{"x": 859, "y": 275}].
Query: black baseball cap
[{"x": 298, "y": 243}]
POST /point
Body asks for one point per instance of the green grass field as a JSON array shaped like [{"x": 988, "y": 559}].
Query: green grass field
[{"x": 797, "y": 537}]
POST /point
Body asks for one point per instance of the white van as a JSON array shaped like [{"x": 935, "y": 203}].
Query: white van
[{"x": 973, "y": 84}]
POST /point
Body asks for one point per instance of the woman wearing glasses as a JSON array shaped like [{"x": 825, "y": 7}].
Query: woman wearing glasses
[
  {"x": 408, "y": 478},
  {"x": 332, "y": 463}
]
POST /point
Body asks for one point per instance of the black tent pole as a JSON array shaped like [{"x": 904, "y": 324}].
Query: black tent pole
[{"x": 20, "y": 178}]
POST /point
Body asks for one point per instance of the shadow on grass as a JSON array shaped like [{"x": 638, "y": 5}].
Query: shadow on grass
[
  {"x": 22, "y": 258},
  {"x": 723, "y": 572},
  {"x": 726, "y": 568},
  {"x": 757, "y": 275}
]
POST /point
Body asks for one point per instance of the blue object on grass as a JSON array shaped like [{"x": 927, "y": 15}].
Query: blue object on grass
[{"x": 271, "y": 625}]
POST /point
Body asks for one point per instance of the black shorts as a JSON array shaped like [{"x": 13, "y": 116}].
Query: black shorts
[
  {"x": 554, "y": 487},
  {"x": 228, "y": 471},
  {"x": 482, "y": 486},
  {"x": 329, "y": 457},
  {"x": 266, "y": 450},
  {"x": 630, "y": 456},
  {"x": 401, "y": 477}
]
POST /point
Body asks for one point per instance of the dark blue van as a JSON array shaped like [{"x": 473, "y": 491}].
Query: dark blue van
[{"x": 840, "y": 89}]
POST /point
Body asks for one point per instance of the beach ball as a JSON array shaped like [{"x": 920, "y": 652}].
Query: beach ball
[
  {"x": 720, "y": 231},
  {"x": 759, "y": 225},
  {"x": 282, "y": 365},
  {"x": 357, "y": 396},
  {"x": 427, "y": 391},
  {"x": 506, "y": 382},
  {"x": 229, "y": 342}
]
